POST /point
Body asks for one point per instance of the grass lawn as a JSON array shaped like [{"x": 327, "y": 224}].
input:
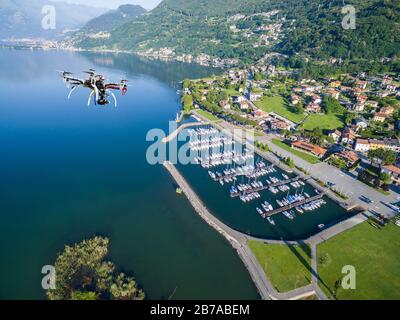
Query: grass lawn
[
  {"x": 305, "y": 156},
  {"x": 324, "y": 121},
  {"x": 206, "y": 115},
  {"x": 287, "y": 267},
  {"x": 232, "y": 92},
  {"x": 375, "y": 255},
  {"x": 277, "y": 104}
]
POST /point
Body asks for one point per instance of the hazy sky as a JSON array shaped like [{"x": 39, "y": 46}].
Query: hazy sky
[{"x": 112, "y": 4}]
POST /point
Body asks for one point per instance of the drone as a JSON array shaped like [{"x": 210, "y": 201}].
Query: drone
[{"x": 100, "y": 90}]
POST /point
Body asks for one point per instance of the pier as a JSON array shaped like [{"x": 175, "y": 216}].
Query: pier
[
  {"x": 295, "y": 204},
  {"x": 238, "y": 174},
  {"x": 265, "y": 187},
  {"x": 174, "y": 134}
]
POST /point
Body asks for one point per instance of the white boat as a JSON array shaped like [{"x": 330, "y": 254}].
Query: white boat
[
  {"x": 288, "y": 215},
  {"x": 271, "y": 221}
]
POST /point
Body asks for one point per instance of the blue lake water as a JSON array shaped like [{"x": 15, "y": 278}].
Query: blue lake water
[{"x": 69, "y": 172}]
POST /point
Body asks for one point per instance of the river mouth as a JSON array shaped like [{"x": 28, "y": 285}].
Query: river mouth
[{"x": 243, "y": 217}]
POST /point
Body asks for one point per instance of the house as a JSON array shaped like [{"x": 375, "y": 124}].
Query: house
[
  {"x": 310, "y": 148},
  {"x": 380, "y": 117},
  {"x": 255, "y": 96},
  {"x": 362, "y": 145},
  {"x": 372, "y": 104},
  {"x": 260, "y": 113},
  {"x": 244, "y": 105},
  {"x": 313, "y": 108},
  {"x": 336, "y": 135},
  {"x": 225, "y": 104},
  {"x": 345, "y": 89},
  {"x": 394, "y": 172},
  {"x": 359, "y": 107},
  {"x": 295, "y": 99},
  {"x": 209, "y": 81},
  {"x": 280, "y": 125},
  {"x": 335, "y": 84},
  {"x": 333, "y": 93},
  {"x": 386, "y": 80},
  {"x": 387, "y": 110},
  {"x": 391, "y": 87},
  {"x": 348, "y": 156},
  {"x": 239, "y": 99},
  {"x": 348, "y": 136},
  {"x": 360, "y": 123},
  {"x": 316, "y": 99},
  {"x": 388, "y": 144},
  {"x": 362, "y": 99},
  {"x": 361, "y": 84}
]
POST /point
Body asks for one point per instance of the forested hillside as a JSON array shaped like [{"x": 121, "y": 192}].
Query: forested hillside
[{"x": 247, "y": 30}]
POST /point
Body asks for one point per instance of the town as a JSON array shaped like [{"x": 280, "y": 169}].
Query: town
[{"x": 349, "y": 121}]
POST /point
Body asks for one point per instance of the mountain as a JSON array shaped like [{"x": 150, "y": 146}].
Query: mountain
[
  {"x": 249, "y": 29},
  {"x": 23, "y": 19},
  {"x": 114, "y": 18}
]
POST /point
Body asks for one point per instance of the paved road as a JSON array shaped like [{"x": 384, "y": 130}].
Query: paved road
[{"x": 344, "y": 182}]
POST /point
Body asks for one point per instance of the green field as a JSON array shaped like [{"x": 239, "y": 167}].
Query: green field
[
  {"x": 375, "y": 255},
  {"x": 323, "y": 121},
  {"x": 232, "y": 92},
  {"x": 287, "y": 267},
  {"x": 206, "y": 115},
  {"x": 305, "y": 156},
  {"x": 277, "y": 104}
]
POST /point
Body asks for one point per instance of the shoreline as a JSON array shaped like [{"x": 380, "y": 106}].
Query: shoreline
[{"x": 38, "y": 47}]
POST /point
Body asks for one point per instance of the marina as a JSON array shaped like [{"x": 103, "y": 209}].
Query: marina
[{"x": 253, "y": 195}]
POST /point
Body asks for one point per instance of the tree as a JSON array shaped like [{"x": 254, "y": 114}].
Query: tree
[
  {"x": 385, "y": 157},
  {"x": 331, "y": 106},
  {"x": 385, "y": 177},
  {"x": 258, "y": 76},
  {"x": 348, "y": 117},
  {"x": 82, "y": 273},
  {"x": 187, "y": 101}
]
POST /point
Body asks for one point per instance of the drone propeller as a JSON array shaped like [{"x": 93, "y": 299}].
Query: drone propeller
[{"x": 64, "y": 72}]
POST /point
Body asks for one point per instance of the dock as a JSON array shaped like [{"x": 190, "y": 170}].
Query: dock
[
  {"x": 174, "y": 134},
  {"x": 265, "y": 187},
  {"x": 295, "y": 204},
  {"x": 238, "y": 174}
]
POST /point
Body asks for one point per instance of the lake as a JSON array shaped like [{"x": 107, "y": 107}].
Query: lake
[{"x": 69, "y": 171}]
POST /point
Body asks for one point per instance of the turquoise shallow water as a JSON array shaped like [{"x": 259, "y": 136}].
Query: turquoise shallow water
[{"x": 69, "y": 172}]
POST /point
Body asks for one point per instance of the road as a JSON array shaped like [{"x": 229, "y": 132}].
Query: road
[{"x": 344, "y": 182}]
